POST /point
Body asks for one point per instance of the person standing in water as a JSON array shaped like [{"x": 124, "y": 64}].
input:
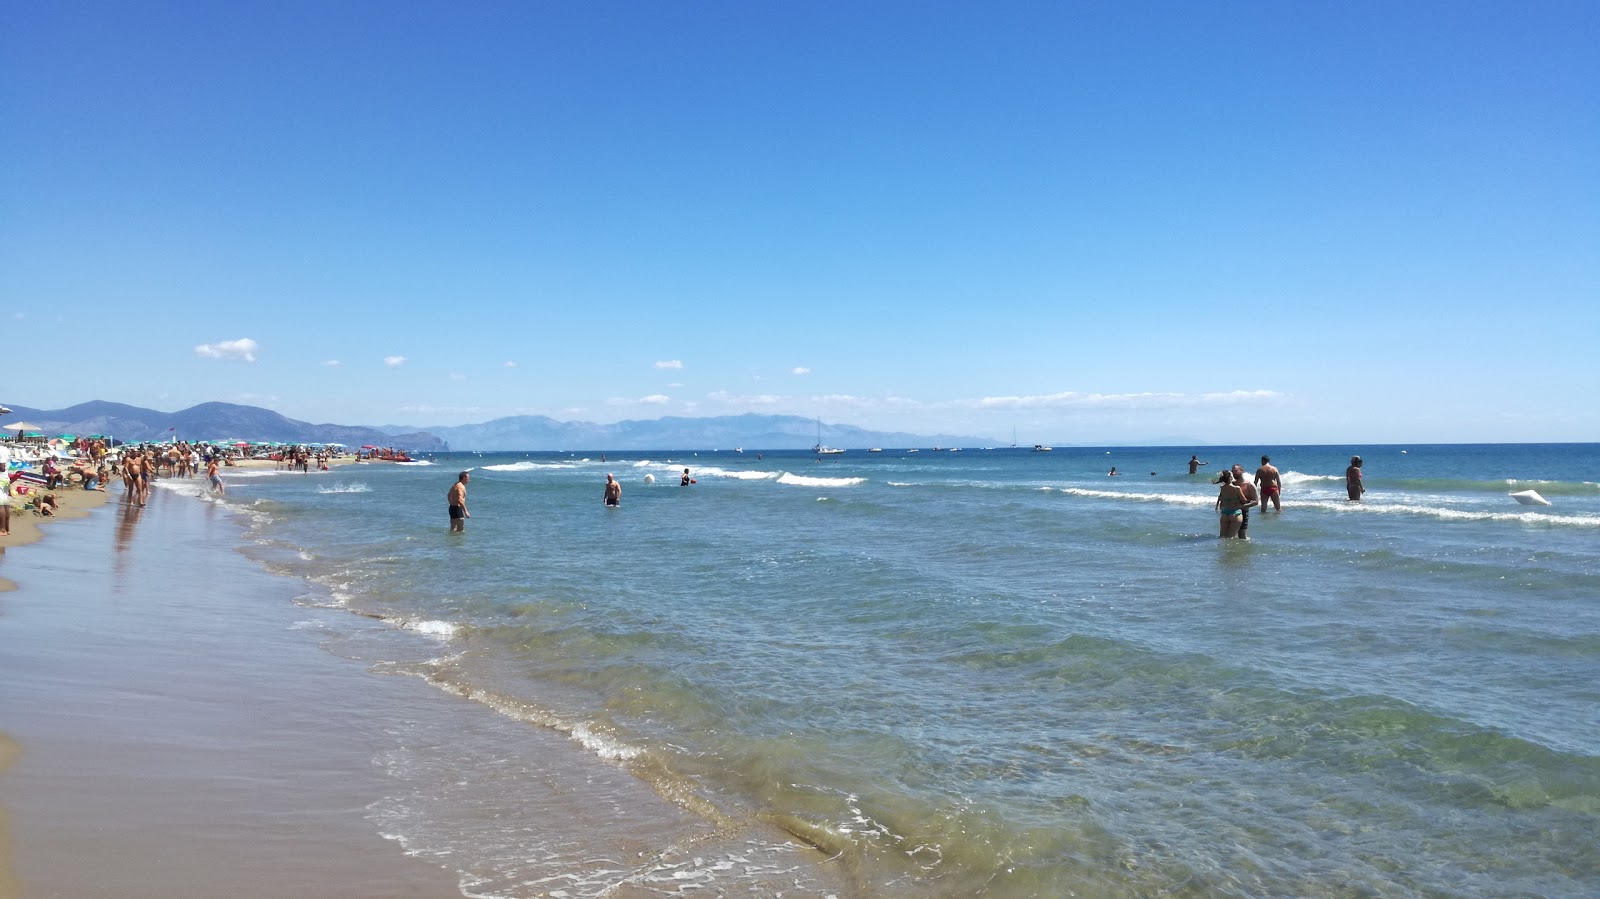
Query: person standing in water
[
  {"x": 1195, "y": 463},
  {"x": 685, "y": 480},
  {"x": 1352, "y": 480},
  {"x": 1270, "y": 484},
  {"x": 456, "y": 497},
  {"x": 1230, "y": 505},
  {"x": 613, "y": 491},
  {"x": 1251, "y": 498}
]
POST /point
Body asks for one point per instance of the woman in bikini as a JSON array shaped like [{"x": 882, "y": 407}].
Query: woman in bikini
[{"x": 1230, "y": 505}]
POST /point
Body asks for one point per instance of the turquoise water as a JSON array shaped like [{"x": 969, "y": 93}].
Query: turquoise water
[{"x": 1002, "y": 673}]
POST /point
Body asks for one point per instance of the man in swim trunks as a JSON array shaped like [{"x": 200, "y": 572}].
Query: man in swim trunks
[
  {"x": 1195, "y": 463},
  {"x": 1270, "y": 485},
  {"x": 1251, "y": 497},
  {"x": 1352, "y": 480},
  {"x": 214, "y": 478},
  {"x": 1230, "y": 505},
  {"x": 457, "y": 499},
  {"x": 613, "y": 491}
]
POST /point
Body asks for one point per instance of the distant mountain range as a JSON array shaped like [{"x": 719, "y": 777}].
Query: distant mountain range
[
  {"x": 756, "y": 432},
  {"x": 227, "y": 421},
  {"x": 209, "y": 421}
]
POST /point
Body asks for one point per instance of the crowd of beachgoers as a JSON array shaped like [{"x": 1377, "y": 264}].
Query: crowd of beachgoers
[{"x": 39, "y": 474}]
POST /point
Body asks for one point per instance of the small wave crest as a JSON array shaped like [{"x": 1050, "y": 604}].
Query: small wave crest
[
  {"x": 433, "y": 628},
  {"x": 737, "y": 475},
  {"x": 344, "y": 488},
  {"x": 1181, "y": 499},
  {"x": 1296, "y": 477},
  {"x": 530, "y": 466},
  {"x": 803, "y": 481}
]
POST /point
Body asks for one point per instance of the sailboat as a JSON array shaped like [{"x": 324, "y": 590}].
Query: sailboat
[{"x": 821, "y": 450}]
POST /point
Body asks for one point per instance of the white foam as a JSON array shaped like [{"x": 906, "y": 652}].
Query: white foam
[
  {"x": 416, "y": 462},
  {"x": 442, "y": 629},
  {"x": 742, "y": 475},
  {"x": 1295, "y": 477},
  {"x": 344, "y": 488},
  {"x": 803, "y": 481},
  {"x": 1181, "y": 499},
  {"x": 530, "y": 466}
]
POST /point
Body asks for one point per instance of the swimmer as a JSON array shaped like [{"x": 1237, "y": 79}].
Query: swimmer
[
  {"x": 456, "y": 498},
  {"x": 613, "y": 496}
]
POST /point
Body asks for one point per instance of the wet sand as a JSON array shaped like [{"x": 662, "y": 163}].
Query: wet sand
[
  {"x": 174, "y": 724},
  {"x": 165, "y": 730},
  {"x": 27, "y": 527}
]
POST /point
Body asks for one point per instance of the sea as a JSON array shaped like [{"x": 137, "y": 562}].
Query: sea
[{"x": 973, "y": 672}]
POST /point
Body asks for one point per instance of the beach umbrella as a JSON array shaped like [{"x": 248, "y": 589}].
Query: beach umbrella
[{"x": 20, "y": 426}]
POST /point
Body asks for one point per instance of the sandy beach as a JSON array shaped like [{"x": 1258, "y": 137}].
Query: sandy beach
[
  {"x": 27, "y": 527},
  {"x": 170, "y": 727}
]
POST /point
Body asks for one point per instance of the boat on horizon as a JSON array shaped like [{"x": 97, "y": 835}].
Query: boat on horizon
[
  {"x": 1041, "y": 448},
  {"x": 820, "y": 449}
]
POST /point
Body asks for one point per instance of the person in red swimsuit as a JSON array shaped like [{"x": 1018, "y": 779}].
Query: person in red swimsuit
[{"x": 1270, "y": 484}]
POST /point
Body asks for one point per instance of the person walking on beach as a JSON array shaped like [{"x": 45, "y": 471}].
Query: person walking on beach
[
  {"x": 1251, "y": 497},
  {"x": 1270, "y": 484},
  {"x": 133, "y": 477},
  {"x": 457, "y": 500},
  {"x": 1230, "y": 505},
  {"x": 1352, "y": 480},
  {"x": 1195, "y": 463},
  {"x": 213, "y": 478},
  {"x": 613, "y": 491}
]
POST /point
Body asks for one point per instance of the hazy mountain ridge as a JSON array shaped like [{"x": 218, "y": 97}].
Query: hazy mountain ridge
[
  {"x": 210, "y": 421},
  {"x": 229, "y": 421},
  {"x": 751, "y": 431}
]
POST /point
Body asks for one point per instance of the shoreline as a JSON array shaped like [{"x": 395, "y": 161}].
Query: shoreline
[
  {"x": 177, "y": 719},
  {"x": 28, "y": 527},
  {"x": 167, "y": 729}
]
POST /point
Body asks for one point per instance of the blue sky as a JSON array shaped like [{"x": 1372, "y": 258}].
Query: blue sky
[{"x": 1235, "y": 222}]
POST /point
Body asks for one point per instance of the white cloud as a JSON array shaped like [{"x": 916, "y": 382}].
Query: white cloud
[
  {"x": 457, "y": 376},
  {"x": 744, "y": 399},
  {"x": 394, "y": 361},
  {"x": 669, "y": 364},
  {"x": 655, "y": 399},
  {"x": 244, "y": 348},
  {"x": 800, "y": 370},
  {"x": 511, "y": 364},
  {"x": 1073, "y": 399},
  {"x": 332, "y": 363},
  {"x": 438, "y": 410}
]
